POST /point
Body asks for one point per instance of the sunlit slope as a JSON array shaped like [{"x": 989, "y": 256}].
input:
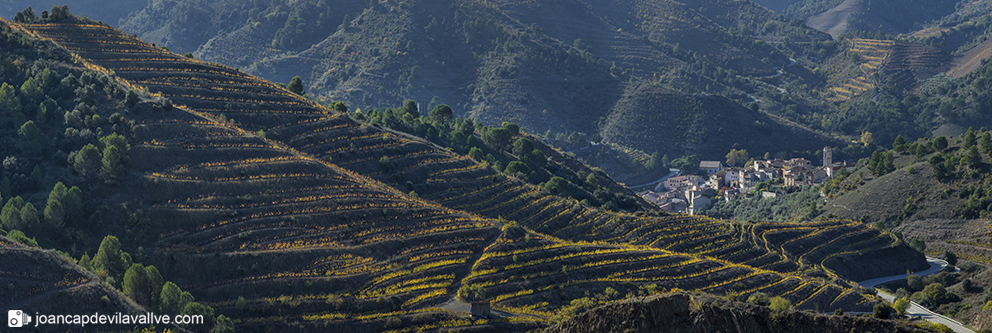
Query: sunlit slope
[{"x": 521, "y": 268}]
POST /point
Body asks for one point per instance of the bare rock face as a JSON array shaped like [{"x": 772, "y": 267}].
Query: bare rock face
[{"x": 689, "y": 313}]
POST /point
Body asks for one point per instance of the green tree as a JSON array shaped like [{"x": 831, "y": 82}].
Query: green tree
[
  {"x": 136, "y": 286},
  {"x": 591, "y": 183},
  {"x": 882, "y": 311},
  {"x": 73, "y": 202},
  {"x": 517, "y": 168},
  {"x": 522, "y": 147},
  {"x": 950, "y": 257},
  {"x": 29, "y": 216},
  {"x": 295, "y": 85},
  {"x": 54, "y": 213},
  {"x": 170, "y": 299},
  {"x": 914, "y": 282},
  {"x": 109, "y": 258},
  {"x": 31, "y": 89},
  {"x": 58, "y": 192},
  {"x": 557, "y": 185},
  {"x": 737, "y": 157},
  {"x": 113, "y": 163},
  {"x": 442, "y": 114},
  {"x": 654, "y": 162},
  {"x": 155, "y": 283},
  {"x": 411, "y": 107},
  {"x": 973, "y": 158},
  {"x": 339, "y": 107},
  {"x": 476, "y": 154},
  {"x": 84, "y": 262},
  {"x": 537, "y": 158},
  {"x": 940, "y": 143},
  {"x": 10, "y": 103},
  {"x": 687, "y": 164},
  {"x": 131, "y": 98},
  {"x": 500, "y": 137},
  {"x": 59, "y": 13},
  {"x": 116, "y": 140},
  {"x": 472, "y": 293},
  {"x": 899, "y": 144},
  {"x": 513, "y": 128},
  {"x": 10, "y": 215},
  {"x": 970, "y": 139},
  {"x": 935, "y": 292},
  {"x": 939, "y": 166},
  {"x": 985, "y": 143},
  {"x": 223, "y": 325},
  {"x": 87, "y": 160},
  {"x": 900, "y": 305},
  {"x": 197, "y": 309},
  {"x": 29, "y": 137},
  {"x": 917, "y": 244}
]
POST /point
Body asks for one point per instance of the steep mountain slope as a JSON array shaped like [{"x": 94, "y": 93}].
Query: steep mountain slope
[
  {"x": 439, "y": 175},
  {"x": 559, "y": 65},
  {"x": 234, "y": 194},
  {"x": 653, "y": 119},
  {"x": 893, "y": 17}
]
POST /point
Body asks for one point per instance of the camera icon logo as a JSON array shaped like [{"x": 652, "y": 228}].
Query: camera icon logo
[{"x": 17, "y": 318}]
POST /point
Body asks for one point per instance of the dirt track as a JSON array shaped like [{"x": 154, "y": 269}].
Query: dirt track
[{"x": 833, "y": 21}]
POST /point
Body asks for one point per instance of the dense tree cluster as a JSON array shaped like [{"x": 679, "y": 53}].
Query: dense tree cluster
[{"x": 146, "y": 286}]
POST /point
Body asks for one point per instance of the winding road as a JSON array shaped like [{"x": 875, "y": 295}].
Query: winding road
[{"x": 936, "y": 265}]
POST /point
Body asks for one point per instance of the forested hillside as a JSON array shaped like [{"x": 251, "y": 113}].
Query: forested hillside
[{"x": 562, "y": 66}]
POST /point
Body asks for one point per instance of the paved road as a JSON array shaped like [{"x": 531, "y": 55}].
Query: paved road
[
  {"x": 652, "y": 185},
  {"x": 936, "y": 265}
]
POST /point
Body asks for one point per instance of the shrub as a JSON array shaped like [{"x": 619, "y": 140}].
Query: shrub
[
  {"x": 758, "y": 298},
  {"x": 882, "y": 311},
  {"x": 472, "y": 293},
  {"x": 780, "y": 304},
  {"x": 901, "y": 305},
  {"x": 576, "y": 307}
]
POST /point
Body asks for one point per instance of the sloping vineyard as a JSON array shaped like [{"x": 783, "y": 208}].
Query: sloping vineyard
[
  {"x": 521, "y": 269},
  {"x": 894, "y": 61},
  {"x": 291, "y": 196},
  {"x": 439, "y": 175}
]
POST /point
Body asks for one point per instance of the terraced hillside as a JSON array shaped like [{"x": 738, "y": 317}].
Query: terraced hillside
[
  {"x": 451, "y": 180},
  {"x": 291, "y": 229},
  {"x": 46, "y": 282},
  {"x": 273, "y": 209},
  {"x": 893, "y": 62},
  {"x": 520, "y": 268}
]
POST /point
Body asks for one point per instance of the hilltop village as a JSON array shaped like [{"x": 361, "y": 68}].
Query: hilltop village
[{"x": 689, "y": 193}]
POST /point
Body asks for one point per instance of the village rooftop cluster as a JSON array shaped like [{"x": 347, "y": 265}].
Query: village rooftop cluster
[{"x": 689, "y": 194}]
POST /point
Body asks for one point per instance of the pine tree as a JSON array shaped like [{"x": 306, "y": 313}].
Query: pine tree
[
  {"x": 295, "y": 85},
  {"x": 109, "y": 258},
  {"x": 135, "y": 284}
]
